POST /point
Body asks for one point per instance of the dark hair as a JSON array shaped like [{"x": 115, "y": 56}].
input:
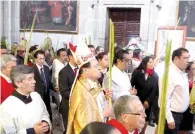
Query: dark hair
[
  {"x": 18, "y": 73},
  {"x": 136, "y": 53},
  {"x": 39, "y": 52},
  {"x": 143, "y": 64},
  {"x": 97, "y": 128},
  {"x": 119, "y": 54},
  {"x": 32, "y": 48},
  {"x": 3, "y": 47},
  {"x": 178, "y": 52},
  {"x": 189, "y": 66},
  {"x": 116, "y": 49},
  {"x": 91, "y": 46},
  {"x": 129, "y": 50},
  {"x": 69, "y": 53},
  {"x": 101, "y": 55},
  {"x": 86, "y": 65},
  {"x": 60, "y": 50},
  {"x": 98, "y": 48}
]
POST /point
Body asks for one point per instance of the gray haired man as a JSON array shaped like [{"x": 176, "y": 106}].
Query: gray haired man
[
  {"x": 129, "y": 113},
  {"x": 24, "y": 111},
  {"x": 7, "y": 62}
]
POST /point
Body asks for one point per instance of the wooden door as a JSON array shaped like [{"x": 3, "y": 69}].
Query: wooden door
[{"x": 126, "y": 23}]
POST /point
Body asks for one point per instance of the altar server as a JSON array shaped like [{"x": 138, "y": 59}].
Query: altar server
[{"x": 24, "y": 111}]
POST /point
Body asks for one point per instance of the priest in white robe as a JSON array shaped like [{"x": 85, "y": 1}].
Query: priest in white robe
[{"x": 24, "y": 112}]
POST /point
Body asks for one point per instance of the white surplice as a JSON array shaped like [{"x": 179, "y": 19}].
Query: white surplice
[{"x": 16, "y": 116}]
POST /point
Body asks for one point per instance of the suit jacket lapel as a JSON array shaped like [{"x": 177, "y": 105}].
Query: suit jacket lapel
[
  {"x": 71, "y": 73},
  {"x": 37, "y": 71},
  {"x": 70, "y": 69}
]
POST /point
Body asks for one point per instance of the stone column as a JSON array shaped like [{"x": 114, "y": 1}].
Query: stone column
[
  {"x": 15, "y": 21},
  {"x": 10, "y": 22},
  {"x": 1, "y": 18},
  {"x": 7, "y": 20}
]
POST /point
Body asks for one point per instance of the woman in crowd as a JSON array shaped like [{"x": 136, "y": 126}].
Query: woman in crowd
[
  {"x": 101, "y": 97},
  {"x": 103, "y": 63},
  {"x": 137, "y": 58},
  {"x": 130, "y": 65},
  {"x": 187, "y": 122},
  {"x": 99, "y": 49},
  {"x": 145, "y": 80}
]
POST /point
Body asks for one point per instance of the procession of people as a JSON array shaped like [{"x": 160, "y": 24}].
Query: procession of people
[{"x": 77, "y": 81}]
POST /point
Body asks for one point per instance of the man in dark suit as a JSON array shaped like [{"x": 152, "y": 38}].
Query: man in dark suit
[
  {"x": 42, "y": 78},
  {"x": 66, "y": 79}
]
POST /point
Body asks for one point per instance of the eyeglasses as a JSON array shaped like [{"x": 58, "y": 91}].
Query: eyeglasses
[
  {"x": 133, "y": 113},
  {"x": 142, "y": 113},
  {"x": 126, "y": 60}
]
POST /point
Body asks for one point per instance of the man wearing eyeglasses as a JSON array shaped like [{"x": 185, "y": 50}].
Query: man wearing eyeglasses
[
  {"x": 21, "y": 50},
  {"x": 120, "y": 80},
  {"x": 177, "y": 97},
  {"x": 129, "y": 113}
]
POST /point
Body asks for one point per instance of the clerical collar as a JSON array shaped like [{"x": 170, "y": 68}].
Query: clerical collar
[
  {"x": 132, "y": 132},
  {"x": 23, "y": 98}
]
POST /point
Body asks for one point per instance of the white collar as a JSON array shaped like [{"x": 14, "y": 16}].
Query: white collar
[
  {"x": 92, "y": 84},
  {"x": 177, "y": 69},
  {"x": 39, "y": 67},
  {"x": 73, "y": 67},
  {"x": 5, "y": 77},
  {"x": 59, "y": 61},
  {"x": 118, "y": 70},
  {"x": 131, "y": 132}
]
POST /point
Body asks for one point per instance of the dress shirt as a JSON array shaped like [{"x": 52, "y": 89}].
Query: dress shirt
[
  {"x": 56, "y": 67},
  {"x": 120, "y": 83},
  {"x": 177, "y": 92},
  {"x": 73, "y": 67},
  {"x": 39, "y": 67}
]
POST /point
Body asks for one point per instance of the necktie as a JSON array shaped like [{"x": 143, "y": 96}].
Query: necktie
[
  {"x": 43, "y": 78},
  {"x": 75, "y": 70}
]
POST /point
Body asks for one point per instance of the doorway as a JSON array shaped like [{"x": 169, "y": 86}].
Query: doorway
[{"x": 126, "y": 24}]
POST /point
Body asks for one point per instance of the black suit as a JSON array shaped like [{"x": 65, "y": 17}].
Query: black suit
[
  {"x": 147, "y": 89},
  {"x": 66, "y": 79},
  {"x": 41, "y": 88}
]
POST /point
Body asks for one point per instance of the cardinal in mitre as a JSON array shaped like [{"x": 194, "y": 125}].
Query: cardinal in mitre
[{"x": 83, "y": 108}]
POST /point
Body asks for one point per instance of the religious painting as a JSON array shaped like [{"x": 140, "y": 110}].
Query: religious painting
[
  {"x": 186, "y": 13},
  {"x": 176, "y": 34},
  {"x": 51, "y": 16}
]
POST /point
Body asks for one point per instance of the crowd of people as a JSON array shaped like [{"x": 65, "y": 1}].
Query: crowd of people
[{"x": 77, "y": 81}]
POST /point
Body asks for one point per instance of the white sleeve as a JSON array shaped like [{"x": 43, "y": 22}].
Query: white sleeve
[
  {"x": 116, "y": 91},
  {"x": 115, "y": 88},
  {"x": 170, "y": 89},
  {"x": 45, "y": 114},
  {"x": 9, "y": 125}
]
